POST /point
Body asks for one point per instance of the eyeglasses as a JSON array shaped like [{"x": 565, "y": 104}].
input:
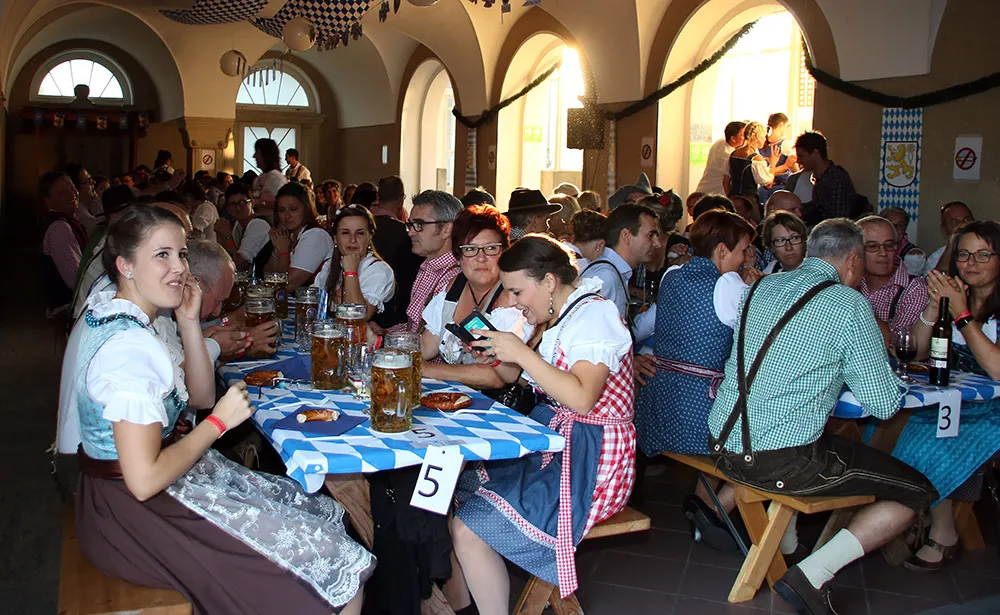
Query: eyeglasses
[
  {"x": 873, "y": 247},
  {"x": 241, "y": 202},
  {"x": 981, "y": 256},
  {"x": 791, "y": 240},
  {"x": 417, "y": 225},
  {"x": 472, "y": 251}
]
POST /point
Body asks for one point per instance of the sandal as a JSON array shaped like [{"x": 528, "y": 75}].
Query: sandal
[{"x": 948, "y": 555}]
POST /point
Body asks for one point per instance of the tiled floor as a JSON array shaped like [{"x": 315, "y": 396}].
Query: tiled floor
[
  {"x": 658, "y": 572},
  {"x": 664, "y": 572}
]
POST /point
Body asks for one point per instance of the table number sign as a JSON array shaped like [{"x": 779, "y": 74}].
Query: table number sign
[
  {"x": 437, "y": 479},
  {"x": 949, "y": 413}
]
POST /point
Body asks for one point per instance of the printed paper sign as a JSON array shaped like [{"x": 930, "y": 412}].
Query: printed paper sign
[
  {"x": 949, "y": 413},
  {"x": 647, "y": 151},
  {"x": 426, "y": 435},
  {"x": 438, "y": 477},
  {"x": 968, "y": 152}
]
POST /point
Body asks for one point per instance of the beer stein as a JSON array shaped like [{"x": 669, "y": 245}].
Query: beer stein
[
  {"x": 239, "y": 292},
  {"x": 390, "y": 392},
  {"x": 409, "y": 342},
  {"x": 306, "y": 310},
  {"x": 327, "y": 355},
  {"x": 259, "y": 310},
  {"x": 277, "y": 281},
  {"x": 352, "y": 316}
]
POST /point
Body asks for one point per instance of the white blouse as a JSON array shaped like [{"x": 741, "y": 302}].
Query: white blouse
[
  {"x": 252, "y": 240},
  {"x": 989, "y": 330},
  {"x": 130, "y": 375},
  {"x": 726, "y": 297},
  {"x": 267, "y": 185},
  {"x": 440, "y": 312},
  {"x": 378, "y": 284},
  {"x": 312, "y": 253},
  {"x": 594, "y": 332}
]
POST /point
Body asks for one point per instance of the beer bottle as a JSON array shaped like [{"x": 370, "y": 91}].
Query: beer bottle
[{"x": 941, "y": 346}]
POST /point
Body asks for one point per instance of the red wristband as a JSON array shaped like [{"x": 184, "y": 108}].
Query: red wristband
[
  {"x": 378, "y": 342},
  {"x": 214, "y": 420},
  {"x": 963, "y": 315},
  {"x": 280, "y": 254},
  {"x": 496, "y": 364},
  {"x": 350, "y": 274}
]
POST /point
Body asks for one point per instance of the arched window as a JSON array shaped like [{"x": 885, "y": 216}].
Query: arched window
[
  {"x": 273, "y": 88},
  {"x": 58, "y": 77},
  {"x": 427, "y": 144},
  {"x": 280, "y": 105}
]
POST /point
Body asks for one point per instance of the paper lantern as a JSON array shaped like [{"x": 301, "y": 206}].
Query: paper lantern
[
  {"x": 298, "y": 34},
  {"x": 423, "y": 2},
  {"x": 232, "y": 63}
]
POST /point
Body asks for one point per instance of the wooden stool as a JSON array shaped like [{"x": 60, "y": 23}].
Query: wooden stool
[
  {"x": 537, "y": 593},
  {"x": 766, "y": 528},
  {"x": 85, "y": 590}
]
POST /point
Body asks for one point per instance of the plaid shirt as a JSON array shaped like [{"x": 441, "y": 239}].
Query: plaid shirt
[
  {"x": 832, "y": 195},
  {"x": 912, "y": 293},
  {"x": 434, "y": 276},
  {"x": 834, "y": 340}
]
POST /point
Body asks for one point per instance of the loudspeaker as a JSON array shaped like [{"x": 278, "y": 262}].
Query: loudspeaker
[{"x": 584, "y": 129}]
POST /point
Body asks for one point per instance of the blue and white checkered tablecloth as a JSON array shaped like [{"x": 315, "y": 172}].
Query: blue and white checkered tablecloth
[
  {"x": 504, "y": 434},
  {"x": 973, "y": 388}
]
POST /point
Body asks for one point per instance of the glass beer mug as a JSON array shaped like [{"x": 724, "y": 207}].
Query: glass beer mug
[
  {"x": 352, "y": 317},
  {"x": 409, "y": 342},
  {"x": 327, "y": 355},
  {"x": 306, "y": 309},
  {"x": 390, "y": 392},
  {"x": 239, "y": 292},
  {"x": 277, "y": 281},
  {"x": 259, "y": 310}
]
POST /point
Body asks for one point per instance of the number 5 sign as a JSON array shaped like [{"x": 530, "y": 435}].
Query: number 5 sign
[{"x": 437, "y": 479}]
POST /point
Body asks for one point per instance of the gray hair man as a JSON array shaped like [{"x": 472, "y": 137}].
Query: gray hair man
[
  {"x": 817, "y": 333},
  {"x": 429, "y": 228},
  {"x": 783, "y": 200}
]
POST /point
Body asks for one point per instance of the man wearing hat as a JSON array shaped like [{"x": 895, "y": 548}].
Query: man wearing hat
[
  {"x": 631, "y": 193},
  {"x": 529, "y": 211}
]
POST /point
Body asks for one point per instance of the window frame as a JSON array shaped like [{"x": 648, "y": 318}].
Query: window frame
[
  {"x": 92, "y": 55},
  {"x": 295, "y": 73}
]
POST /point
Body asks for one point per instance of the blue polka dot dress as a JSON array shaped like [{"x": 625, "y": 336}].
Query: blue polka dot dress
[{"x": 671, "y": 412}]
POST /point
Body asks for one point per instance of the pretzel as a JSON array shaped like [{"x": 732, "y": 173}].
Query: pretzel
[
  {"x": 446, "y": 401},
  {"x": 317, "y": 415},
  {"x": 262, "y": 377}
]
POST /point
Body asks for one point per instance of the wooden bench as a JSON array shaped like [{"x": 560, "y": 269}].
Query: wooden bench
[
  {"x": 537, "y": 593},
  {"x": 85, "y": 590},
  {"x": 766, "y": 528}
]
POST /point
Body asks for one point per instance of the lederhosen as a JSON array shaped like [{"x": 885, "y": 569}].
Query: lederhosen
[{"x": 831, "y": 465}]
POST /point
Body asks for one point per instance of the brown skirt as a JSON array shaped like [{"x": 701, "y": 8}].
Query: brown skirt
[{"x": 161, "y": 543}]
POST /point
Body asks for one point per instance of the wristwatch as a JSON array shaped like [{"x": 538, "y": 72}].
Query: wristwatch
[{"x": 961, "y": 322}]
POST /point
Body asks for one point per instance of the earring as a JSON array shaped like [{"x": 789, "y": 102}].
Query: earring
[
  {"x": 552, "y": 306},
  {"x": 128, "y": 275}
]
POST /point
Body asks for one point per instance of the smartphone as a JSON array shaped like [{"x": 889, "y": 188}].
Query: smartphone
[{"x": 463, "y": 330}]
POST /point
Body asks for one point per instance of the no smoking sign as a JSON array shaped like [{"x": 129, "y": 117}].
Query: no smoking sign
[
  {"x": 968, "y": 157},
  {"x": 206, "y": 159}
]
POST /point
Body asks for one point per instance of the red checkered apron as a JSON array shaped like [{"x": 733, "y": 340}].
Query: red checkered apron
[{"x": 615, "y": 469}]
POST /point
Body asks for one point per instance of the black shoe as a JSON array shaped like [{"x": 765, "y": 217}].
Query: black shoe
[
  {"x": 707, "y": 526},
  {"x": 795, "y": 589},
  {"x": 796, "y": 556}
]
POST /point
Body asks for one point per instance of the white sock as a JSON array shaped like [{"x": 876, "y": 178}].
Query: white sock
[
  {"x": 790, "y": 541},
  {"x": 842, "y": 549}
]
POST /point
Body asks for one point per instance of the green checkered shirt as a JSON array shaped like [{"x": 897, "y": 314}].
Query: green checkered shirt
[{"x": 834, "y": 340}]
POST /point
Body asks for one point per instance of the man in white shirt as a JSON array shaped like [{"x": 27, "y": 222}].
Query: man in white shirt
[
  {"x": 296, "y": 171},
  {"x": 717, "y": 166},
  {"x": 954, "y": 216},
  {"x": 633, "y": 236}
]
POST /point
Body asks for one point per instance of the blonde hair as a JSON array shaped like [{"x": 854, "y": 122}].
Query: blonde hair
[{"x": 754, "y": 130}]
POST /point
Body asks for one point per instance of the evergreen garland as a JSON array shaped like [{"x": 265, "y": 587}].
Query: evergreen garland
[{"x": 488, "y": 115}]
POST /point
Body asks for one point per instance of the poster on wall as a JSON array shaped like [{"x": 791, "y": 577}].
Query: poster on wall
[
  {"x": 899, "y": 164},
  {"x": 471, "y": 177},
  {"x": 968, "y": 154}
]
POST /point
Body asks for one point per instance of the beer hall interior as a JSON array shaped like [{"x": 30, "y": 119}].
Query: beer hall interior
[{"x": 451, "y": 94}]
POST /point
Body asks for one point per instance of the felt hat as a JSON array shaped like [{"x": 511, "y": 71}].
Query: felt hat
[
  {"x": 533, "y": 201},
  {"x": 567, "y": 189},
  {"x": 621, "y": 195}
]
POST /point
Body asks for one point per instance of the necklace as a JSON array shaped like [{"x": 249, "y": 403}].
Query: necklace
[{"x": 479, "y": 302}]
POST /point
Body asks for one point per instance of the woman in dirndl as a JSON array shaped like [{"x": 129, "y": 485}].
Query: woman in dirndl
[
  {"x": 533, "y": 511},
  {"x": 955, "y": 465},
  {"x": 173, "y": 513},
  {"x": 697, "y": 310}
]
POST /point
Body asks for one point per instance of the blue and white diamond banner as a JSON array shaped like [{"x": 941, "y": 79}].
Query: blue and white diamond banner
[{"x": 899, "y": 163}]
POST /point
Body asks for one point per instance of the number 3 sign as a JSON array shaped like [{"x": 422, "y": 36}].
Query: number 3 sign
[
  {"x": 949, "y": 413},
  {"x": 437, "y": 479}
]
